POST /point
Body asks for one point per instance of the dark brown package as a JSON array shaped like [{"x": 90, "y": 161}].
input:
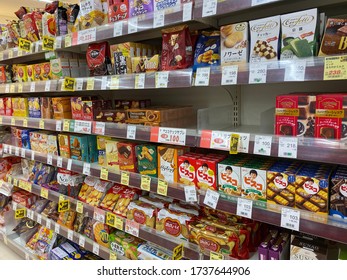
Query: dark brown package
[
  {"x": 334, "y": 40},
  {"x": 97, "y": 58}
]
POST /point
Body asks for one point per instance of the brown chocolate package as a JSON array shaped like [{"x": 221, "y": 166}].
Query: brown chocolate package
[
  {"x": 111, "y": 116},
  {"x": 338, "y": 195},
  {"x": 334, "y": 40},
  {"x": 46, "y": 108}
]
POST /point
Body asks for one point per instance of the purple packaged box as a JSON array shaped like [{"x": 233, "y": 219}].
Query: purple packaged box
[
  {"x": 55, "y": 186},
  {"x": 140, "y": 7},
  {"x": 263, "y": 248},
  {"x": 34, "y": 105},
  {"x": 279, "y": 250}
]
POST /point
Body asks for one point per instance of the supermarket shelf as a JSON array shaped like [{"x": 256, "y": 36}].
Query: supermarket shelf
[
  {"x": 16, "y": 55},
  {"x": 12, "y": 242}
]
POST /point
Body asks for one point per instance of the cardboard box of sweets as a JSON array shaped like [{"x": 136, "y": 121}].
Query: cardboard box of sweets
[
  {"x": 126, "y": 156},
  {"x": 61, "y": 108},
  {"x": 334, "y": 40},
  {"x": 305, "y": 247},
  {"x": 147, "y": 159},
  {"x": 111, "y": 154},
  {"x": 187, "y": 167},
  {"x": 44, "y": 142},
  {"x": 338, "y": 193}
]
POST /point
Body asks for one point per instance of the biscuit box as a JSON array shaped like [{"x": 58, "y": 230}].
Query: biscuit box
[
  {"x": 34, "y": 105},
  {"x": 335, "y": 37},
  {"x": 46, "y": 73},
  {"x": 110, "y": 199},
  {"x": 64, "y": 145},
  {"x": 295, "y": 115},
  {"x": 338, "y": 193},
  {"x": 111, "y": 154},
  {"x": 207, "y": 50},
  {"x": 76, "y": 108},
  {"x": 118, "y": 10},
  {"x": 92, "y": 151},
  {"x": 265, "y": 34},
  {"x": 91, "y": 108},
  {"x": 299, "y": 34},
  {"x": 30, "y": 73},
  {"x": 2, "y": 106},
  {"x": 37, "y": 72},
  {"x": 46, "y": 108},
  {"x": 126, "y": 156},
  {"x": 25, "y": 138},
  {"x": 125, "y": 244},
  {"x": 20, "y": 72},
  {"x": 20, "y": 107},
  {"x": 79, "y": 147},
  {"x": 306, "y": 248},
  {"x": 147, "y": 163},
  {"x": 142, "y": 213},
  {"x": 168, "y": 162},
  {"x": 187, "y": 167},
  {"x": 234, "y": 44},
  {"x": 206, "y": 173},
  {"x": 8, "y": 106},
  {"x": 140, "y": 7},
  {"x": 61, "y": 108}
]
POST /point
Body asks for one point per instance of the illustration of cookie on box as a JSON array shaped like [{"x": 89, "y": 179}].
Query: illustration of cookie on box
[
  {"x": 97, "y": 232},
  {"x": 334, "y": 40},
  {"x": 128, "y": 195},
  {"x": 126, "y": 156},
  {"x": 147, "y": 159}
]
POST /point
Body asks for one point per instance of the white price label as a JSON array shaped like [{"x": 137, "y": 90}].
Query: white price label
[
  {"x": 288, "y": 147},
  {"x": 39, "y": 218},
  {"x": 5, "y": 147},
  {"x": 140, "y": 81},
  {"x": 58, "y": 41},
  {"x": 86, "y": 168},
  {"x": 176, "y": 136},
  {"x": 99, "y": 215},
  {"x": 132, "y": 25},
  {"x": 118, "y": 28},
  {"x": 103, "y": 83},
  {"x": 190, "y": 193},
  {"x": 7, "y": 88},
  {"x": 229, "y": 75},
  {"x": 244, "y": 208},
  {"x": 187, "y": 11},
  {"x": 243, "y": 143},
  {"x": 57, "y": 228},
  {"x": 48, "y": 223},
  {"x": 70, "y": 234},
  {"x": 159, "y": 19},
  {"x": 209, "y": 8},
  {"x": 90, "y": 83},
  {"x": 202, "y": 77},
  {"x": 82, "y": 240},
  {"x": 59, "y": 161},
  {"x": 10, "y": 150},
  {"x": 20, "y": 53},
  {"x": 32, "y": 155},
  {"x": 16, "y": 151},
  {"x": 161, "y": 79},
  {"x": 290, "y": 218},
  {"x": 132, "y": 227},
  {"x": 69, "y": 163},
  {"x": 23, "y": 153},
  {"x": 86, "y": 36},
  {"x": 32, "y": 87},
  {"x": 99, "y": 128},
  {"x": 58, "y": 125},
  {"x": 295, "y": 70},
  {"x": 260, "y": 2},
  {"x": 114, "y": 82},
  {"x": 257, "y": 74},
  {"x": 211, "y": 198},
  {"x": 49, "y": 159},
  {"x": 131, "y": 132},
  {"x": 83, "y": 127},
  {"x": 30, "y": 214},
  {"x": 220, "y": 140},
  {"x": 96, "y": 248},
  {"x": 48, "y": 86},
  {"x": 262, "y": 145},
  {"x": 14, "y": 205},
  {"x": 79, "y": 84}
]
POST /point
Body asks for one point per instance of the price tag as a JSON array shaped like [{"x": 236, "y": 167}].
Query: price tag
[
  {"x": 125, "y": 178},
  {"x": 131, "y": 132},
  {"x": 187, "y": 11},
  {"x": 177, "y": 252},
  {"x": 86, "y": 168},
  {"x": 1, "y": 56},
  {"x": 48, "y": 43},
  {"x": 30, "y": 214},
  {"x": 234, "y": 144},
  {"x": 69, "y": 84},
  {"x": 176, "y": 136},
  {"x": 66, "y": 125},
  {"x": 58, "y": 42},
  {"x": 16, "y": 151},
  {"x": 290, "y": 218},
  {"x": 140, "y": 81},
  {"x": 103, "y": 83},
  {"x": 68, "y": 40},
  {"x": 79, "y": 207},
  {"x": 119, "y": 223},
  {"x": 14, "y": 205},
  {"x": 132, "y": 25},
  {"x": 20, "y": 213},
  {"x": 244, "y": 208},
  {"x": 118, "y": 28},
  {"x": 20, "y": 53},
  {"x": 48, "y": 223},
  {"x": 243, "y": 143},
  {"x": 24, "y": 45},
  {"x": 99, "y": 128},
  {"x": 7, "y": 88},
  {"x": 48, "y": 85},
  {"x": 84, "y": 127},
  {"x": 81, "y": 241},
  {"x": 58, "y": 125},
  {"x": 10, "y": 150},
  {"x": 114, "y": 82},
  {"x": 20, "y": 87},
  {"x": 145, "y": 183},
  {"x": 5, "y": 147},
  {"x": 104, "y": 174},
  {"x": 96, "y": 248},
  {"x": 70, "y": 234},
  {"x": 49, "y": 159},
  {"x": 229, "y": 75},
  {"x": 59, "y": 161},
  {"x": 12, "y": 88},
  {"x": 335, "y": 68},
  {"x": 79, "y": 84},
  {"x": 110, "y": 219},
  {"x": 295, "y": 70},
  {"x": 64, "y": 206},
  {"x": 99, "y": 215},
  {"x": 262, "y": 145},
  {"x": 190, "y": 193},
  {"x": 25, "y": 122},
  {"x": 209, "y": 8},
  {"x": 159, "y": 19},
  {"x": 211, "y": 198},
  {"x": 23, "y": 153},
  {"x": 90, "y": 83},
  {"x": 257, "y": 74},
  {"x": 69, "y": 163},
  {"x": 113, "y": 255},
  {"x": 32, "y": 87},
  {"x": 260, "y": 2},
  {"x": 132, "y": 227},
  {"x": 32, "y": 155},
  {"x": 10, "y": 54},
  {"x": 86, "y": 36},
  {"x": 44, "y": 193},
  {"x": 288, "y": 147},
  {"x": 13, "y": 121},
  {"x": 39, "y": 218},
  {"x": 62, "y": 197},
  {"x": 42, "y": 124},
  {"x": 161, "y": 79},
  {"x": 162, "y": 187},
  {"x": 15, "y": 182},
  {"x": 202, "y": 77},
  {"x": 220, "y": 140},
  {"x": 57, "y": 228},
  {"x": 214, "y": 256}
]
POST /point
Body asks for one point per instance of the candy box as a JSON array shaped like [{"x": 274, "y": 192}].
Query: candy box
[
  {"x": 111, "y": 154},
  {"x": 24, "y": 198},
  {"x": 147, "y": 159},
  {"x": 79, "y": 147},
  {"x": 110, "y": 199},
  {"x": 92, "y": 151},
  {"x": 30, "y": 73},
  {"x": 91, "y": 109},
  {"x": 126, "y": 156},
  {"x": 37, "y": 72},
  {"x": 61, "y": 108},
  {"x": 253, "y": 182},
  {"x": 206, "y": 173},
  {"x": 8, "y": 106},
  {"x": 34, "y": 105},
  {"x": 121, "y": 57},
  {"x": 168, "y": 162},
  {"x": 142, "y": 213},
  {"x": 64, "y": 145},
  {"x": 124, "y": 244},
  {"x": 306, "y": 248},
  {"x": 20, "y": 73},
  {"x": 334, "y": 39},
  {"x": 2, "y": 106},
  {"x": 20, "y": 107},
  {"x": 101, "y": 141},
  {"x": 118, "y": 10},
  {"x": 187, "y": 167},
  {"x": 338, "y": 193},
  {"x": 126, "y": 196},
  {"x": 229, "y": 177},
  {"x": 77, "y": 108},
  {"x": 152, "y": 64}
]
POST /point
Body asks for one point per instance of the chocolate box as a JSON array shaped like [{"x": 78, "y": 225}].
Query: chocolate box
[
  {"x": 304, "y": 248},
  {"x": 168, "y": 162},
  {"x": 140, "y": 7},
  {"x": 338, "y": 193},
  {"x": 77, "y": 108},
  {"x": 334, "y": 40},
  {"x": 118, "y": 10},
  {"x": 147, "y": 159},
  {"x": 126, "y": 156}
]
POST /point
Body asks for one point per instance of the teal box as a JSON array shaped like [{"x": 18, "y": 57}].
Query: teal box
[
  {"x": 79, "y": 147},
  {"x": 92, "y": 148}
]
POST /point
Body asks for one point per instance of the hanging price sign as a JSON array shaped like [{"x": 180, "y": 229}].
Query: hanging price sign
[
  {"x": 69, "y": 84},
  {"x": 24, "y": 45},
  {"x": 48, "y": 43}
]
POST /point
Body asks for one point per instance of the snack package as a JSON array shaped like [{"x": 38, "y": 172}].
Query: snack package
[
  {"x": 30, "y": 73},
  {"x": 206, "y": 173},
  {"x": 184, "y": 207},
  {"x": 67, "y": 219},
  {"x": 153, "y": 252},
  {"x": 124, "y": 199},
  {"x": 142, "y": 213},
  {"x": 98, "y": 58},
  {"x": 121, "y": 55},
  {"x": 147, "y": 159},
  {"x": 98, "y": 232},
  {"x": 177, "y": 49},
  {"x": 44, "y": 242},
  {"x": 79, "y": 147},
  {"x": 126, "y": 156},
  {"x": 207, "y": 50},
  {"x": 61, "y": 108},
  {"x": 334, "y": 40},
  {"x": 91, "y": 14},
  {"x": 51, "y": 211},
  {"x": 338, "y": 193},
  {"x": 94, "y": 197},
  {"x": 34, "y": 104},
  {"x": 48, "y": 25},
  {"x": 155, "y": 201},
  {"x": 110, "y": 199},
  {"x": 111, "y": 154},
  {"x": 124, "y": 244},
  {"x": 118, "y": 10},
  {"x": 32, "y": 33},
  {"x": 140, "y": 7},
  {"x": 64, "y": 145},
  {"x": 87, "y": 188},
  {"x": 72, "y": 251}
]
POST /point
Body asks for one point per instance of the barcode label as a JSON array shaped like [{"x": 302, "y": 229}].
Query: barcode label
[{"x": 289, "y": 225}]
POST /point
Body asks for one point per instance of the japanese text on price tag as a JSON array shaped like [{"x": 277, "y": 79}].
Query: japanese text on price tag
[
  {"x": 69, "y": 84},
  {"x": 99, "y": 128},
  {"x": 257, "y": 73},
  {"x": 202, "y": 77},
  {"x": 262, "y": 145},
  {"x": 131, "y": 132},
  {"x": 159, "y": 19},
  {"x": 295, "y": 70},
  {"x": 176, "y": 136},
  {"x": 140, "y": 81},
  {"x": 83, "y": 127},
  {"x": 118, "y": 28},
  {"x": 161, "y": 79},
  {"x": 290, "y": 218},
  {"x": 244, "y": 208},
  {"x": 335, "y": 68},
  {"x": 211, "y": 198},
  {"x": 190, "y": 193},
  {"x": 288, "y": 147},
  {"x": 209, "y": 8},
  {"x": 229, "y": 75},
  {"x": 145, "y": 183},
  {"x": 132, "y": 227},
  {"x": 48, "y": 43},
  {"x": 86, "y": 36}
]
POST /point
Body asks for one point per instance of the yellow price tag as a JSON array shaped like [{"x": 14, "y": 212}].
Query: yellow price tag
[
  {"x": 114, "y": 82},
  {"x": 125, "y": 178},
  {"x": 48, "y": 43},
  {"x": 335, "y": 68},
  {"x": 15, "y": 182},
  {"x": 79, "y": 207},
  {"x": 104, "y": 173},
  {"x": 20, "y": 87},
  {"x": 62, "y": 197},
  {"x": 216, "y": 256},
  {"x": 177, "y": 252},
  {"x": 24, "y": 45},
  {"x": 146, "y": 183},
  {"x": 90, "y": 84},
  {"x": 69, "y": 84},
  {"x": 234, "y": 143},
  {"x": 21, "y": 184},
  {"x": 68, "y": 40},
  {"x": 66, "y": 125},
  {"x": 42, "y": 124},
  {"x": 162, "y": 187},
  {"x": 64, "y": 206},
  {"x": 20, "y": 213},
  {"x": 10, "y": 54},
  {"x": 25, "y": 122},
  {"x": 13, "y": 121},
  {"x": 44, "y": 193},
  {"x": 27, "y": 186},
  {"x": 119, "y": 223},
  {"x": 110, "y": 219},
  {"x": 20, "y": 53},
  {"x": 12, "y": 88},
  {"x": 9, "y": 179},
  {"x": 113, "y": 255}
]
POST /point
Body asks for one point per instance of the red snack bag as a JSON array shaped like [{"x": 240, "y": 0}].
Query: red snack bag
[
  {"x": 118, "y": 10},
  {"x": 177, "y": 50},
  {"x": 128, "y": 195},
  {"x": 97, "y": 56},
  {"x": 30, "y": 27}
]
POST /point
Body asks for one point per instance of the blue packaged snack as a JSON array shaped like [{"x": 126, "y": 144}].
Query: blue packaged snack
[
  {"x": 207, "y": 50},
  {"x": 25, "y": 137},
  {"x": 34, "y": 104}
]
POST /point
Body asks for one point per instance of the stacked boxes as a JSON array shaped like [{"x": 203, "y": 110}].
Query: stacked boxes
[
  {"x": 44, "y": 142},
  {"x": 147, "y": 159},
  {"x": 338, "y": 193},
  {"x": 82, "y": 147}
]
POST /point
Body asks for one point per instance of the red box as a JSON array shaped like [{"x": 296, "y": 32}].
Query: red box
[
  {"x": 118, "y": 10},
  {"x": 77, "y": 108},
  {"x": 329, "y": 115},
  {"x": 24, "y": 198},
  {"x": 8, "y": 106},
  {"x": 187, "y": 166},
  {"x": 206, "y": 173},
  {"x": 126, "y": 156}
]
